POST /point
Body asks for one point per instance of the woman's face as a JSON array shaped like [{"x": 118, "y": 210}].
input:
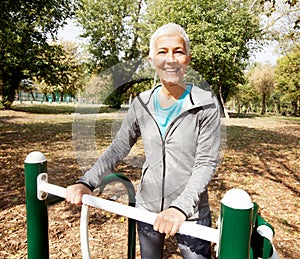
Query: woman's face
[{"x": 170, "y": 59}]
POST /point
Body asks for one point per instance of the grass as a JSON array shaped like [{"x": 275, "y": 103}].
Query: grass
[{"x": 60, "y": 108}]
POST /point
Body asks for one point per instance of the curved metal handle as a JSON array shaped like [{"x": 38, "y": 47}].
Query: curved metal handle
[
  {"x": 84, "y": 232},
  {"x": 84, "y": 228}
]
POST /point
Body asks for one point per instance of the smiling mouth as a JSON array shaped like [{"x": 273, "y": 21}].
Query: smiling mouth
[{"x": 171, "y": 70}]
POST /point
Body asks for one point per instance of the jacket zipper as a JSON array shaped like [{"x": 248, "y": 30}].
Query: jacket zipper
[
  {"x": 163, "y": 154},
  {"x": 163, "y": 140},
  {"x": 163, "y": 176},
  {"x": 164, "y": 158}
]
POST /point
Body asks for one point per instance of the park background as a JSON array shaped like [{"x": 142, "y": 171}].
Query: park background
[{"x": 47, "y": 79}]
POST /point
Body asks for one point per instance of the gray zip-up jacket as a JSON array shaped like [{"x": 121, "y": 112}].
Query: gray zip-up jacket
[{"x": 179, "y": 166}]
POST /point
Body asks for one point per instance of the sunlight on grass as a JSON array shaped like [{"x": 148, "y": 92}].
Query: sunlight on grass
[{"x": 60, "y": 108}]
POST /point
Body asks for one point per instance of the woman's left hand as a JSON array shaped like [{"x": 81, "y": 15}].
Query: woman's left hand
[{"x": 169, "y": 221}]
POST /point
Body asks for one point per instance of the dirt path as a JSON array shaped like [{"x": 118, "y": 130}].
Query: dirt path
[{"x": 261, "y": 157}]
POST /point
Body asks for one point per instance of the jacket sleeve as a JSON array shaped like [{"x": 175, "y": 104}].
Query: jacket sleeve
[
  {"x": 121, "y": 145},
  {"x": 206, "y": 161}
]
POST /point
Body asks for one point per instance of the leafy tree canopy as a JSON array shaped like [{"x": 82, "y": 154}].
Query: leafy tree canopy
[
  {"x": 25, "y": 26},
  {"x": 261, "y": 78},
  {"x": 66, "y": 71},
  {"x": 280, "y": 21},
  {"x": 111, "y": 28},
  {"x": 221, "y": 34},
  {"x": 287, "y": 80}
]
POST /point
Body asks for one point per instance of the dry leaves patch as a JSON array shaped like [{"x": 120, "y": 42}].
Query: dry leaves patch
[{"x": 261, "y": 157}]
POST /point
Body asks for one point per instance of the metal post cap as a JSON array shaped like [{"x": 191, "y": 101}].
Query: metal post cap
[
  {"x": 35, "y": 157},
  {"x": 237, "y": 199}
]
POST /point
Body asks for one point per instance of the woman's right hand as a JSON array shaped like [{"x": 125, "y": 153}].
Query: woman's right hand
[{"x": 75, "y": 192}]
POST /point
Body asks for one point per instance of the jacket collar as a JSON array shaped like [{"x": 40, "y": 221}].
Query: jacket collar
[{"x": 199, "y": 96}]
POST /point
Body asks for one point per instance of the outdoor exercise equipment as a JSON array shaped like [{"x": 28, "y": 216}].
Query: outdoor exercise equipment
[{"x": 236, "y": 226}]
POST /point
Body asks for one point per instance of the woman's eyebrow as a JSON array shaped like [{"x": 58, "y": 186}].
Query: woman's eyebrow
[
  {"x": 176, "y": 48},
  {"x": 180, "y": 47}
]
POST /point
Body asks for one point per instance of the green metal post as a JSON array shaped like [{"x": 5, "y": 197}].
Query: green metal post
[
  {"x": 131, "y": 196},
  {"x": 36, "y": 210},
  {"x": 261, "y": 244},
  {"x": 267, "y": 245},
  {"x": 235, "y": 225}
]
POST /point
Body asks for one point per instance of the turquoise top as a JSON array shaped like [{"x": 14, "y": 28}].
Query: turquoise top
[{"x": 164, "y": 116}]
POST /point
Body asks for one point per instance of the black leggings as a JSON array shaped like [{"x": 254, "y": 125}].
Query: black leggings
[{"x": 152, "y": 243}]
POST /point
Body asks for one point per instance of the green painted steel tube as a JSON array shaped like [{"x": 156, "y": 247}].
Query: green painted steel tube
[
  {"x": 261, "y": 246},
  {"x": 254, "y": 220},
  {"x": 131, "y": 246},
  {"x": 36, "y": 210},
  {"x": 235, "y": 225},
  {"x": 267, "y": 245}
]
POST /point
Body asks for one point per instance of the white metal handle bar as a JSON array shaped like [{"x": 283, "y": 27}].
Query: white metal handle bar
[
  {"x": 187, "y": 228},
  {"x": 84, "y": 233}
]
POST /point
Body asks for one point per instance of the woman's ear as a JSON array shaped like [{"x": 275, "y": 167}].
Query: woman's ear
[
  {"x": 189, "y": 59},
  {"x": 151, "y": 62}
]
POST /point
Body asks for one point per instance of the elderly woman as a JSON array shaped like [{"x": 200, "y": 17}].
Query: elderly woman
[{"x": 179, "y": 124}]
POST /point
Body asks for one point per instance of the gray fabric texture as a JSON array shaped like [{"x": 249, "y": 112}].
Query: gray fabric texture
[{"x": 179, "y": 166}]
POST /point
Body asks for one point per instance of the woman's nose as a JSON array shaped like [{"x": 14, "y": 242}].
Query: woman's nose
[{"x": 171, "y": 57}]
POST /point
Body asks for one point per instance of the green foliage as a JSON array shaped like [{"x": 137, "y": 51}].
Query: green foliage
[
  {"x": 246, "y": 98},
  {"x": 114, "y": 85},
  {"x": 25, "y": 27},
  {"x": 261, "y": 78},
  {"x": 274, "y": 89},
  {"x": 97, "y": 86},
  {"x": 288, "y": 79},
  {"x": 221, "y": 33},
  {"x": 281, "y": 22},
  {"x": 65, "y": 74},
  {"x": 111, "y": 27}
]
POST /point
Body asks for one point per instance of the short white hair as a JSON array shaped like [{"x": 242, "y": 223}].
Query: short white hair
[{"x": 167, "y": 30}]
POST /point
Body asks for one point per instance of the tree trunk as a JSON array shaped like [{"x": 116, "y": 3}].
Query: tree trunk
[
  {"x": 295, "y": 108},
  {"x": 32, "y": 95},
  {"x": 263, "y": 104},
  {"x": 53, "y": 97},
  {"x": 223, "y": 104},
  {"x": 239, "y": 106},
  {"x": 11, "y": 82},
  {"x": 278, "y": 107}
]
